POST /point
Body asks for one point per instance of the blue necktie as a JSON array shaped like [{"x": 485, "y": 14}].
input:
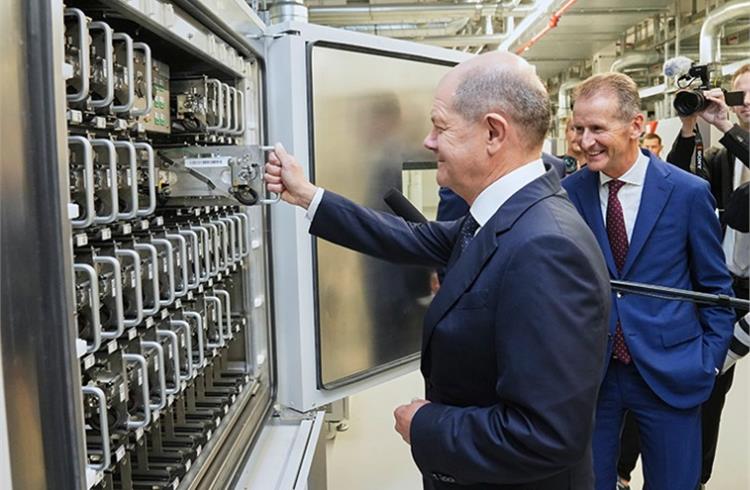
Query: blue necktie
[{"x": 468, "y": 228}]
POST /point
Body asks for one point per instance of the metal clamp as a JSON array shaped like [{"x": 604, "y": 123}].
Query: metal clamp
[
  {"x": 119, "y": 309},
  {"x": 170, "y": 270},
  {"x": 168, "y": 334},
  {"x": 88, "y": 181},
  {"x": 149, "y": 80},
  {"x": 127, "y": 106},
  {"x": 198, "y": 334},
  {"x": 141, "y": 361},
  {"x": 185, "y": 326},
  {"x": 151, "y": 177},
  {"x": 218, "y": 104},
  {"x": 113, "y": 191},
  {"x": 83, "y": 55},
  {"x": 263, "y": 179},
  {"x": 104, "y": 427},
  {"x": 227, "y": 311},
  {"x": 94, "y": 306},
  {"x": 183, "y": 263},
  {"x": 133, "y": 170},
  {"x": 150, "y": 344},
  {"x": 147, "y": 247},
  {"x": 217, "y": 312},
  {"x": 109, "y": 65},
  {"x": 136, "y": 258},
  {"x": 196, "y": 260}
]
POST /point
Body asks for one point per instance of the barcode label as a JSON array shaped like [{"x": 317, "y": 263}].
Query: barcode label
[{"x": 207, "y": 162}]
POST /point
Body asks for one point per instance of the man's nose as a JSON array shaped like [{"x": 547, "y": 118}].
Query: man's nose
[
  {"x": 430, "y": 142},
  {"x": 586, "y": 139}
]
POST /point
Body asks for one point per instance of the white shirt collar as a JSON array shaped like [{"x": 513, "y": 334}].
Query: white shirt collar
[
  {"x": 635, "y": 175},
  {"x": 495, "y": 195}
]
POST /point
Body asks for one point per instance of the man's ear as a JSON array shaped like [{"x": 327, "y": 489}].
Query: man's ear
[
  {"x": 636, "y": 126},
  {"x": 497, "y": 131}
]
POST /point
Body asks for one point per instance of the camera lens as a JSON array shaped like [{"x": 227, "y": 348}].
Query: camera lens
[{"x": 687, "y": 102}]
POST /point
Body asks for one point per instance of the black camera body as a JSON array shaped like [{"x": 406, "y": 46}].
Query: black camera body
[{"x": 691, "y": 100}]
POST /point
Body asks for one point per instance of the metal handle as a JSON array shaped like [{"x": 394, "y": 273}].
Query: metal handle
[
  {"x": 198, "y": 334},
  {"x": 239, "y": 237},
  {"x": 234, "y": 127},
  {"x": 219, "y": 104},
  {"x": 206, "y": 269},
  {"x": 147, "y": 247},
  {"x": 120, "y": 314},
  {"x": 185, "y": 326},
  {"x": 120, "y": 36},
  {"x": 94, "y": 306},
  {"x": 149, "y": 81},
  {"x": 141, "y": 361},
  {"x": 226, "y": 127},
  {"x": 133, "y": 170},
  {"x": 168, "y": 334},
  {"x": 113, "y": 191},
  {"x": 196, "y": 257},
  {"x": 240, "y": 111},
  {"x": 224, "y": 237},
  {"x": 182, "y": 252},
  {"x": 231, "y": 224},
  {"x": 214, "y": 244},
  {"x": 109, "y": 65},
  {"x": 170, "y": 269},
  {"x": 245, "y": 233},
  {"x": 104, "y": 427},
  {"x": 227, "y": 311},
  {"x": 88, "y": 181},
  {"x": 136, "y": 258},
  {"x": 263, "y": 179},
  {"x": 83, "y": 55},
  {"x": 149, "y": 344},
  {"x": 217, "y": 311},
  {"x": 151, "y": 175}
]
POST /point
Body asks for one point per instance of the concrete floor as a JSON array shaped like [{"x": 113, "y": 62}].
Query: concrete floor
[{"x": 372, "y": 456}]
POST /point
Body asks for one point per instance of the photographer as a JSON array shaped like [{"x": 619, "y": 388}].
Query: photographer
[{"x": 726, "y": 169}]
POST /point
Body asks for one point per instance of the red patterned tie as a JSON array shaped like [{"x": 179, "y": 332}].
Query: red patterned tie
[{"x": 618, "y": 242}]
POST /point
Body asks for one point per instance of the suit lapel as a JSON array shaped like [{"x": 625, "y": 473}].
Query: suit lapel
[
  {"x": 656, "y": 191},
  {"x": 592, "y": 213}
]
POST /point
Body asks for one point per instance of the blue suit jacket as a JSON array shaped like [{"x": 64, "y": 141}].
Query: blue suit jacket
[
  {"x": 676, "y": 243},
  {"x": 513, "y": 343}
]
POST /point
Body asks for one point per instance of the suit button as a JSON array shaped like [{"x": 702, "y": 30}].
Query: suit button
[{"x": 619, "y": 294}]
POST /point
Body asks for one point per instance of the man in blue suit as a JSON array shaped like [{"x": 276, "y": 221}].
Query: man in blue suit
[
  {"x": 514, "y": 342},
  {"x": 655, "y": 224}
]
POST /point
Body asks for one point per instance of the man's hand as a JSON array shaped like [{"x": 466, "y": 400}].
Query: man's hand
[
  {"x": 285, "y": 176},
  {"x": 717, "y": 112},
  {"x": 688, "y": 125},
  {"x": 403, "y": 416}
]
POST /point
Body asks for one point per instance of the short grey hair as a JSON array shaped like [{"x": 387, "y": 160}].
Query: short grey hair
[
  {"x": 617, "y": 85},
  {"x": 520, "y": 97}
]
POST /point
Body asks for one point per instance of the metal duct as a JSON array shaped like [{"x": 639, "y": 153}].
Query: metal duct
[
  {"x": 709, "y": 38},
  {"x": 635, "y": 59},
  {"x": 412, "y": 30},
  {"x": 288, "y": 10},
  {"x": 563, "y": 97},
  {"x": 461, "y": 41}
]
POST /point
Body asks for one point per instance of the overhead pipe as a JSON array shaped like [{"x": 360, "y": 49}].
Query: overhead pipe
[
  {"x": 551, "y": 25},
  {"x": 288, "y": 10},
  {"x": 412, "y": 30},
  {"x": 709, "y": 37},
  {"x": 462, "y": 41},
  {"x": 634, "y": 59}
]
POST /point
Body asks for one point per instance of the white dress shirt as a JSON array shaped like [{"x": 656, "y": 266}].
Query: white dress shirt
[
  {"x": 629, "y": 194},
  {"x": 736, "y": 245},
  {"x": 488, "y": 201}
]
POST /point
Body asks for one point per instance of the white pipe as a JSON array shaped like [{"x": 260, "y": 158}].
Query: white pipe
[
  {"x": 563, "y": 98},
  {"x": 411, "y": 30},
  {"x": 634, "y": 59},
  {"x": 709, "y": 37}
]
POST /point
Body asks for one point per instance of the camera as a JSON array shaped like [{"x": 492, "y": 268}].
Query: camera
[{"x": 691, "y": 100}]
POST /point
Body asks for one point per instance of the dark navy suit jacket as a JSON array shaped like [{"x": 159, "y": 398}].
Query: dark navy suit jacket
[
  {"x": 676, "y": 243},
  {"x": 513, "y": 344}
]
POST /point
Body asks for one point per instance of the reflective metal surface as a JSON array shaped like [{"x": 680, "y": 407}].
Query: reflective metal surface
[{"x": 370, "y": 115}]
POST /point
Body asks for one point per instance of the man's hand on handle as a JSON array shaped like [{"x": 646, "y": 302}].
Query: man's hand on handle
[{"x": 285, "y": 176}]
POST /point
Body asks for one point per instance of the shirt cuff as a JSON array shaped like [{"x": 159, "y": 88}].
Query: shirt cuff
[{"x": 313, "y": 207}]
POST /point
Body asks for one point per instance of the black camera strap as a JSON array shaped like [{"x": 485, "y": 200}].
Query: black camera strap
[{"x": 700, "y": 169}]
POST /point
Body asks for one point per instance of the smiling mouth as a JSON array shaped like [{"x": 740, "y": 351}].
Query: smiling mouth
[{"x": 594, "y": 154}]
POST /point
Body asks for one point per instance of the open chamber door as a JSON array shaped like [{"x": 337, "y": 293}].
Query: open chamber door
[{"x": 354, "y": 110}]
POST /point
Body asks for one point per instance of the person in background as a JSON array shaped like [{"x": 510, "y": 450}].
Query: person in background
[
  {"x": 525, "y": 299},
  {"x": 726, "y": 169},
  {"x": 573, "y": 158},
  {"x": 656, "y": 225},
  {"x": 652, "y": 143}
]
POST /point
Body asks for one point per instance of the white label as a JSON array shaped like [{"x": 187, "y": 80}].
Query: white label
[
  {"x": 155, "y": 414},
  {"x": 111, "y": 346},
  {"x": 226, "y": 409},
  {"x": 164, "y": 314},
  {"x": 209, "y": 434},
  {"x": 178, "y": 303},
  {"x": 106, "y": 233},
  {"x": 132, "y": 278},
  {"x": 188, "y": 465},
  {"x": 88, "y": 361},
  {"x": 120, "y": 453},
  {"x": 138, "y": 433},
  {"x": 114, "y": 289},
  {"x": 149, "y": 322},
  {"x": 176, "y": 483},
  {"x": 126, "y": 228},
  {"x": 170, "y": 400},
  {"x": 100, "y": 122},
  {"x": 123, "y": 395},
  {"x": 255, "y": 244},
  {"x": 131, "y": 333},
  {"x": 199, "y": 450},
  {"x": 81, "y": 240},
  {"x": 150, "y": 271},
  {"x": 212, "y": 162}
]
